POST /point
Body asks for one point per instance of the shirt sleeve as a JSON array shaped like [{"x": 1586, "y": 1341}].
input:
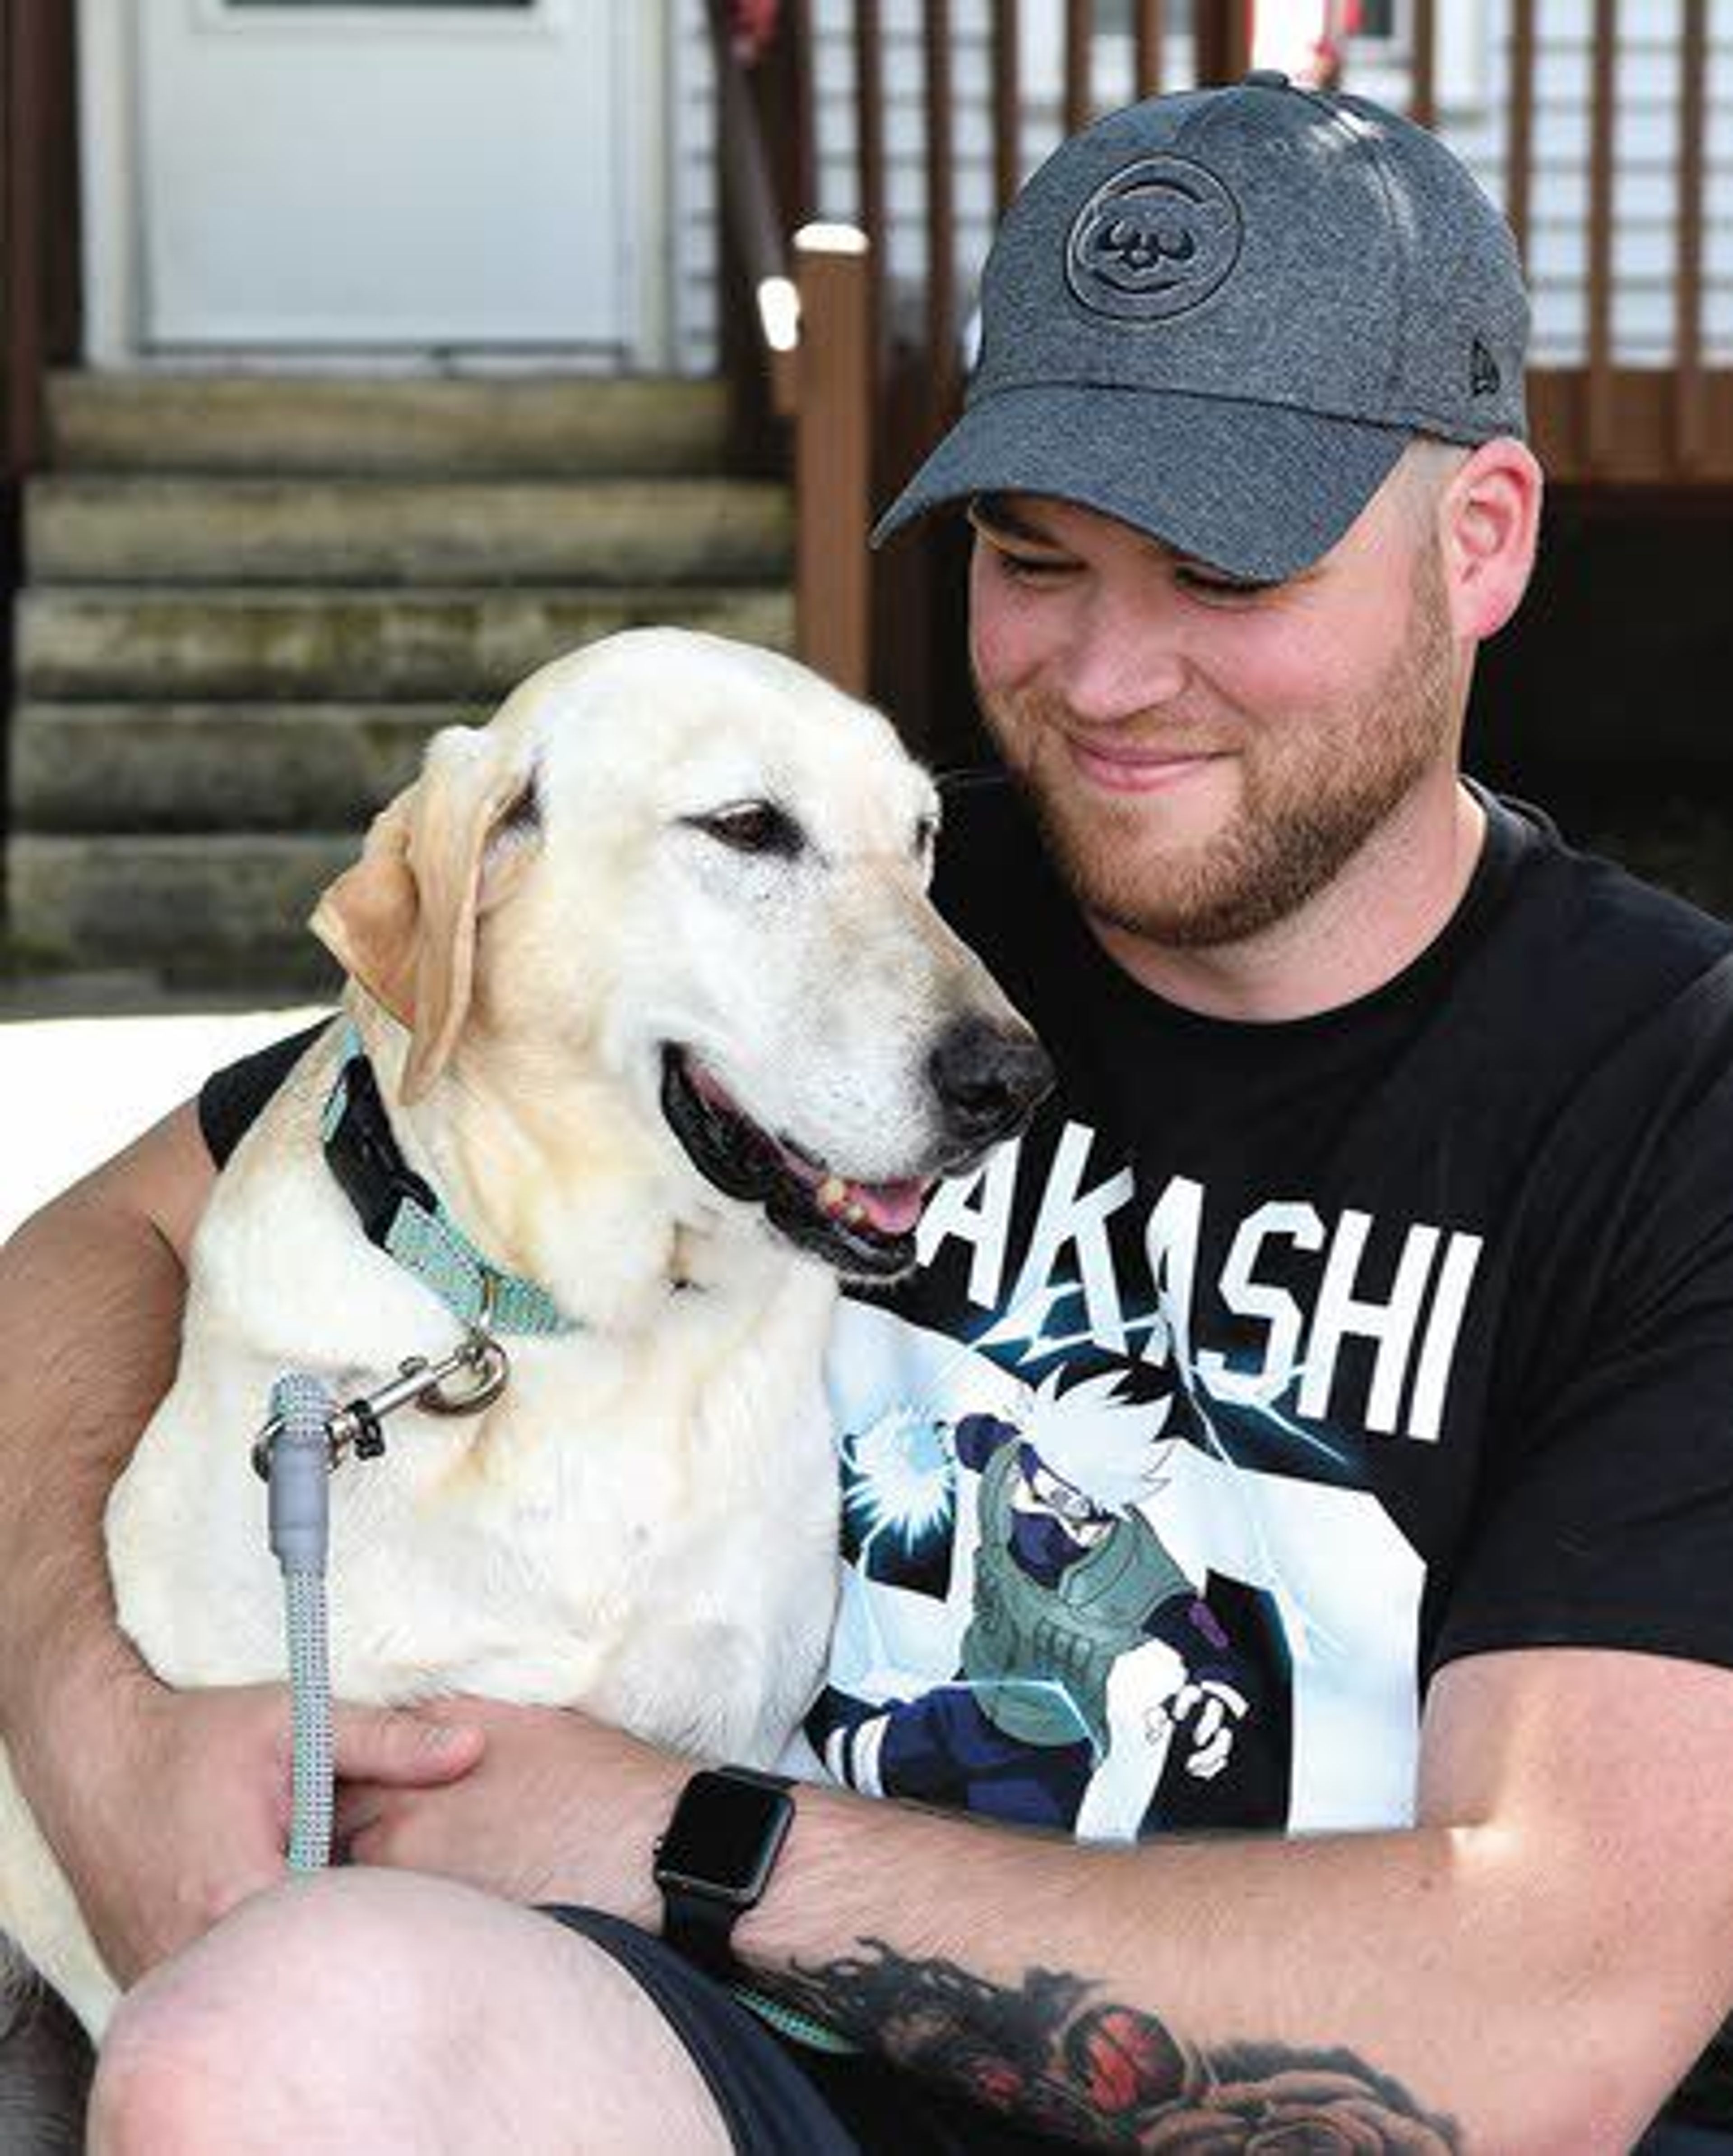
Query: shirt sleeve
[
  {"x": 1606, "y": 1514},
  {"x": 231, "y": 1099}
]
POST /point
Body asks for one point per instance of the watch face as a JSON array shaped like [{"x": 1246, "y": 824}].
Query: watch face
[{"x": 724, "y": 1836}]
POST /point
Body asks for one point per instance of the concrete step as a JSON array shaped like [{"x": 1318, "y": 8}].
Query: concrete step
[
  {"x": 205, "y": 910},
  {"x": 164, "y": 530},
  {"x": 134, "y": 992},
  {"x": 89, "y": 644},
  {"x": 193, "y": 767},
  {"x": 540, "y": 427}
]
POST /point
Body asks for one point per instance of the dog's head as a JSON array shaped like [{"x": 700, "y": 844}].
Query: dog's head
[{"x": 697, "y": 868}]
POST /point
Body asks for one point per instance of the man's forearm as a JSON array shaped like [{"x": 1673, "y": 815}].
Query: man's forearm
[
  {"x": 1392, "y": 1982},
  {"x": 91, "y": 1296}
]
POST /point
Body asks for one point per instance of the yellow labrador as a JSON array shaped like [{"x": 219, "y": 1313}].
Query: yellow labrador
[{"x": 663, "y": 1028}]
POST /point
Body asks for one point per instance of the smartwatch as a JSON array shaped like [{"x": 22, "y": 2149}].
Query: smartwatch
[{"x": 715, "y": 1860}]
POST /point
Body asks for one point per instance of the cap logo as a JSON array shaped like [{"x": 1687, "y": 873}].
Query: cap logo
[
  {"x": 1154, "y": 241},
  {"x": 1483, "y": 378}
]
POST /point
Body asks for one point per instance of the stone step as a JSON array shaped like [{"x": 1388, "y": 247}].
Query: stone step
[
  {"x": 191, "y": 910},
  {"x": 194, "y": 767},
  {"x": 541, "y": 427},
  {"x": 93, "y": 643},
  {"x": 167, "y": 530}
]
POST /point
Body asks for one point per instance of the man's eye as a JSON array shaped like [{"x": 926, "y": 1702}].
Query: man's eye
[
  {"x": 1221, "y": 587},
  {"x": 1032, "y": 568},
  {"x": 752, "y": 827}
]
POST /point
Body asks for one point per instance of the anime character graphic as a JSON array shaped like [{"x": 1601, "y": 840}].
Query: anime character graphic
[{"x": 1086, "y": 1657}]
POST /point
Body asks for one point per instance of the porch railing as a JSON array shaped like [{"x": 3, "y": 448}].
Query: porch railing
[{"x": 807, "y": 340}]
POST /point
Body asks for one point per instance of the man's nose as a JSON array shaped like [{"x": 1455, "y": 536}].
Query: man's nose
[{"x": 1125, "y": 655}]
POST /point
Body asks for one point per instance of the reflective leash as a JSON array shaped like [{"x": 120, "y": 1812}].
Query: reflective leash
[{"x": 307, "y": 1438}]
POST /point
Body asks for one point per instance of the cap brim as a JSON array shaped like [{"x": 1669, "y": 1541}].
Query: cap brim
[{"x": 1255, "y": 491}]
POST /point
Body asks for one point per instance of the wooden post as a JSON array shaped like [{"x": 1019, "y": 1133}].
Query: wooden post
[
  {"x": 941, "y": 121},
  {"x": 1603, "y": 145},
  {"x": 1519, "y": 144},
  {"x": 39, "y": 286},
  {"x": 1079, "y": 89},
  {"x": 870, "y": 156},
  {"x": 1688, "y": 409},
  {"x": 833, "y": 483},
  {"x": 764, "y": 168},
  {"x": 24, "y": 66},
  {"x": 1423, "y": 103},
  {"x": 1007, "y": 104},
  {"x": 1150, "y": 37},
  {"x": 1222, "y": 39}
]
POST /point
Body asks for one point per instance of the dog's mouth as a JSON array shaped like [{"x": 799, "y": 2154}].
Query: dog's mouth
[{"x": 864, "y": 1229}]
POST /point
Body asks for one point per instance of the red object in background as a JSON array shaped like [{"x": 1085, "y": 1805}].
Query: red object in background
[
  {"x": 1309, "y": 38},
  {"x": 1341, "y": 19},
  {"x": 753, "y": 25}
]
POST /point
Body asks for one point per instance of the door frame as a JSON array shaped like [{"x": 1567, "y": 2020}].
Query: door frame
[{"x": 111, "y": 138}]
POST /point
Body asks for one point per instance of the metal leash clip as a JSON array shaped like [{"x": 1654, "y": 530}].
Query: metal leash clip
[
  {"x": 481, "y": 1354},
  {"x": 358, "y": 1425}
]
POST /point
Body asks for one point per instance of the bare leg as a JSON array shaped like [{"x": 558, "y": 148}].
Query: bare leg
[{"x": 384, "y": 2010}]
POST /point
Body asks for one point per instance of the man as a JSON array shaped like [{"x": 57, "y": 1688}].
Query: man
[{"x": 1390, "y": 1180}]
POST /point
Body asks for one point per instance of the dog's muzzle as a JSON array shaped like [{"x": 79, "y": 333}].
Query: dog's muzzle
[{"x": 988, "y": 1083}]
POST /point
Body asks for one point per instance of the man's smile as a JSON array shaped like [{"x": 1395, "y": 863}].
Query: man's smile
[{"x": 1122, "y": 767}]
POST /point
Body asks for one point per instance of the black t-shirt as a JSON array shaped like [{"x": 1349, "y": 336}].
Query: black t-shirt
[
  {"x": 1279, "y": 1363},
  {"x": 1417, "y": 1317}
]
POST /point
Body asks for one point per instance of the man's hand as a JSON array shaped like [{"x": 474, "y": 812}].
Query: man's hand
[
  {"x": 182, "y": 1808},
  {"x": 560, "y": 1808}
]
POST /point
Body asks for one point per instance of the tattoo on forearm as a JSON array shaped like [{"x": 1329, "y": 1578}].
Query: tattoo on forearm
[{"x": 1056, "y": 2060}]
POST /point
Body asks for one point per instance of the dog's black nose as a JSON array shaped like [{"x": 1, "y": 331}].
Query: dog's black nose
[{"x": 988, "y": 1078}]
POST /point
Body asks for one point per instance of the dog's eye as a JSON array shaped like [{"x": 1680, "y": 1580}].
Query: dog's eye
[{"x": 752, "y": 827}]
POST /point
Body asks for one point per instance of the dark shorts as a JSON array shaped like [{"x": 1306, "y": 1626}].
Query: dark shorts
[{"x": 780, "y": 2098}]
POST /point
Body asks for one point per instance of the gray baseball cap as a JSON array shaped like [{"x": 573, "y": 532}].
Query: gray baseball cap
[{"x": 1221, "y": 316}]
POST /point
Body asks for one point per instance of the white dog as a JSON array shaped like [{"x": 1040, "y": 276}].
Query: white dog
[{"x": 663, "y": 1023}]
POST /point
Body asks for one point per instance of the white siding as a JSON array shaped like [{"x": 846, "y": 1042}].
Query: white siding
[
  {"x": 693, "y": 302},
  {"x": 1474, "y": 76}
]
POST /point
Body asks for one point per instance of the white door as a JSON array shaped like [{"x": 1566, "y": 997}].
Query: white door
[{"x": 466, "y": 175}]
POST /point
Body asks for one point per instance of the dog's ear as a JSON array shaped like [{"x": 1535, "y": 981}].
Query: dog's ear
[{"x": 402, "y": 922}]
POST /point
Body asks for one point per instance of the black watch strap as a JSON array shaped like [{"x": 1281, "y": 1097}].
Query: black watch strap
[
  {"x": 701, "y": 1930},
  {"x": 715, "y": 1860}
]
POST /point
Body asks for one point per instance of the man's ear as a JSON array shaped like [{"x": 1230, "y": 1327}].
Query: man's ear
[
  {"x": 402, "y": 922},
  {"x": 1490, "y": 527}
]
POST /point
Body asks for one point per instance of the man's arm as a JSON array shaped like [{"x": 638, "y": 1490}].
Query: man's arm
[
  {"x": 91, "y": 1290},
  {"x": 164, "y": 1808},
  {"x": 91, "y": 1294},
  {"x": 1527, "y": 1972}
]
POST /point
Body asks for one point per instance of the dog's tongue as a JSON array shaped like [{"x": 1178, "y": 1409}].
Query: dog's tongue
[{"x": 893, "y": 1208}]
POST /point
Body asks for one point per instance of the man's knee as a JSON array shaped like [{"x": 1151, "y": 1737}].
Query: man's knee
[
  {"x": 270, "y": 2031},
  {"x": 268, "y": 2013}
]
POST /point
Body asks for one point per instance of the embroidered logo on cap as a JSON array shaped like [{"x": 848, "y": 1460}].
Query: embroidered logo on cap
[
  {"x": 1154, "y": 241},
  {"x": 1484, "y": 377}
]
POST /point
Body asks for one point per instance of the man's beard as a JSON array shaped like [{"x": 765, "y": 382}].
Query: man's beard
[{"x": 1316, "y": 787}]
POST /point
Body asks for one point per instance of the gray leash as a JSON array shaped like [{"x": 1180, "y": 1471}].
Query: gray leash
[
  {"x": 300, "y": 1464},
  {"x": 304, "y": 1440}
]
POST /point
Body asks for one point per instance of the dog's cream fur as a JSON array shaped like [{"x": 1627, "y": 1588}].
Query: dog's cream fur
[{"x": 646, "y": 1522}]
